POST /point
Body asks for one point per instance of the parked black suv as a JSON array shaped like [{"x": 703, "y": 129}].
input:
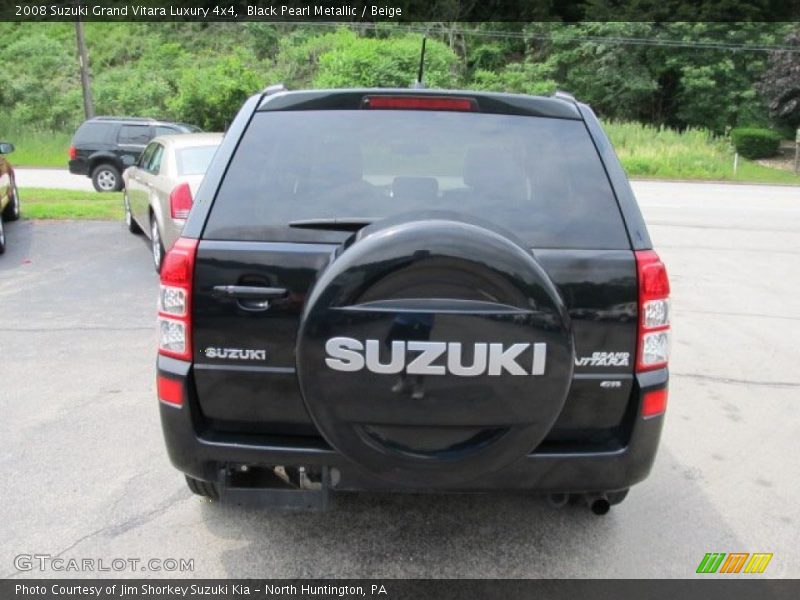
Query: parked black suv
[
  {"x": 413, "y": 290},
  {"x": 103, "y": 147}
]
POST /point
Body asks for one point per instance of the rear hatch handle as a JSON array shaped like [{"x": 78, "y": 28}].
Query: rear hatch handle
[{"x": 250, "y": 297}]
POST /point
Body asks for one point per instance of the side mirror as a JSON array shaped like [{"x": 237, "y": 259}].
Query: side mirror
[{"x": 6, "y": 148}]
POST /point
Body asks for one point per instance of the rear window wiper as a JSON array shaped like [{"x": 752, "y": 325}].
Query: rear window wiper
[{"x": 346, "y": 224}]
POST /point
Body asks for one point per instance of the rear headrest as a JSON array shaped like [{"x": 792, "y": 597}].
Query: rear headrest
[
  {"x": 412, "y": 189},
  {"x": 495, "y": 172}
]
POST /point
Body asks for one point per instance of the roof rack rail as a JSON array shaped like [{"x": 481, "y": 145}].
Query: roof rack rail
[
  {"x": 123, "y": 118},
  {"x": 274, "y": 89},
  {"x": 562, "y": 95}
]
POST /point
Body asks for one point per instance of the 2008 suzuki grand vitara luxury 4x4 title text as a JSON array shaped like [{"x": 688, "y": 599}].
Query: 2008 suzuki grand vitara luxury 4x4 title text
[{"x": 413, "y": 290}]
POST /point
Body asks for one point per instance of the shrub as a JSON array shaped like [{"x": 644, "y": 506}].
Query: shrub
[
  {"x": 522, "y": 78},
  {"x": 211, "y": 93},
  {"x": 353, "y": 61},
  {"x": 755, "y": 143}
]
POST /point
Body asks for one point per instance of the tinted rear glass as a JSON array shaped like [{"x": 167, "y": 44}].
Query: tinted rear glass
[
  {"x": 92, "y": 133},
  {"x": 160, "y": 130},
  {"x": 538, "y": 177},
  {"x": 194, "y": 161},
  {"x": 134, "y": 134}
]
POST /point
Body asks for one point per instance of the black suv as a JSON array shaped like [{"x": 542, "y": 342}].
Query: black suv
[
  {"x": 384, "y": 289},
  {"x": 103, "y": 147}
]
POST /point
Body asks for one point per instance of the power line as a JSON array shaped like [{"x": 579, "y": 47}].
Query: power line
[{"x": 522, "y": 35}]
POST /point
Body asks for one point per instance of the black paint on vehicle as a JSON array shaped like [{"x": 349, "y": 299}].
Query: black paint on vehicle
[{"x": 415, "y": 290}]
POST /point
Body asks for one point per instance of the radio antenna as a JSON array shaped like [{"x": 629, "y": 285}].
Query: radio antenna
[{"x": 419, "y": 83}]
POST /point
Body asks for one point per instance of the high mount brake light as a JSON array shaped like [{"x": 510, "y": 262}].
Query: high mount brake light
[
  {"x": 420, "y": 103},
  {"x": 652, "y": 350},
  {"x": 174, "y": 300},
  {"x": 180, "y": 201}
]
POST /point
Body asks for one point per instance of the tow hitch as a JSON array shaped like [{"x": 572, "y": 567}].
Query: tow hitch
[{"x": 284, "y": 488}]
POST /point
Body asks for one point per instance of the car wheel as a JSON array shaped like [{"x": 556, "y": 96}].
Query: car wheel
[
  {"x": 132, "y": 225},
  {"x": 2, "y": 236},
  {"x": 12, "y": 211},
  {"x": 203, "y": 488},
  {"x": 156, "y": 243},
  {"x": 106, "y": 178}
]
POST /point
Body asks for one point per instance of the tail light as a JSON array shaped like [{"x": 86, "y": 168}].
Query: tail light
[
  {"x": 180, "y": 201},
  {"x": 653, "y": 336},
  {"x": 174, "y": 300},
  {"x": 420, "y": 103},
  {"x": 73, "y": 152}
]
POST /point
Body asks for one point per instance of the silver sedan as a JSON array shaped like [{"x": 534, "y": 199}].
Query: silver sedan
[{"x": 160, "y": 187}]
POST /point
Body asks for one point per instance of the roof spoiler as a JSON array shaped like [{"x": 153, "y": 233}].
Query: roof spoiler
[
  {"x": 562, "y": 95},
  {"x": 274, "y": 89}
]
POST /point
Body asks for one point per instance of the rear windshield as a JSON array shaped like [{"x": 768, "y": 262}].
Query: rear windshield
[
  {"x": 539, "y": 177},
  {"x": 194, "y": 161}
]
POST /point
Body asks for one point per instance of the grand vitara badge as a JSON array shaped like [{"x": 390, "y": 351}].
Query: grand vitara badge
[{"x": 434, "y": 358}]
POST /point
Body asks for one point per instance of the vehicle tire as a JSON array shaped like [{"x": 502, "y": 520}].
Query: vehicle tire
[
  {"x": 106, "y": 178},
  {"x": 2, "y": 236},
  {"x": 156, "y": 244},
  {"x": 206, "y": 489},
  {"x": 12, "y": 211},
  {"x": 132, "y": 225},
  {"x": 617, "y": 497}
]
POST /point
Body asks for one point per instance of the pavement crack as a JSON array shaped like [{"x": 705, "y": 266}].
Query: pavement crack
[
  {"x": 716, "y": 379},
  {"x": 118, "y": 529},
  {"x": 146, "y": 517}
]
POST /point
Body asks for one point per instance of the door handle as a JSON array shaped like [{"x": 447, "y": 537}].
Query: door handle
[
  {"x": 250, "y": 292},
  {"x": 250, "y": 297}
]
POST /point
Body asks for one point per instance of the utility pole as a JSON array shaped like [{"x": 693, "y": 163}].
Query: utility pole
[
  {"x": 797, "y": 152},
  {"x": 83, "y": 59}
]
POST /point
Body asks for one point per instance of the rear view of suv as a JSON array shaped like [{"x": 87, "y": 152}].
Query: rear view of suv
[
  {"x": 103, "y": 147},
  {"x": 413, "y": 290}
]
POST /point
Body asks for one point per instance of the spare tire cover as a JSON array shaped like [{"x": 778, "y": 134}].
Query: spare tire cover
[{"x": 433, "y": 351}]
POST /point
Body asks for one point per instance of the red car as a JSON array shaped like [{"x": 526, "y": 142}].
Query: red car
[{"x": 9, "y": 196}]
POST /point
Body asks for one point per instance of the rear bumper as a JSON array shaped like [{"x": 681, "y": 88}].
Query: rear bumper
[
  {"x": 78, "y": 167},
  {"x": 203, "y": 455}
]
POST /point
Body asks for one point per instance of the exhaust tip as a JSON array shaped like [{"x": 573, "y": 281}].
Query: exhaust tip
[
  {"x": 598, "y": 503},
  {"x": 600, "y": 506}
]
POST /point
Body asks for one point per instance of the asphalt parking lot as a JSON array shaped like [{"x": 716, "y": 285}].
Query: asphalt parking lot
[{"x": 86, "y": 474}]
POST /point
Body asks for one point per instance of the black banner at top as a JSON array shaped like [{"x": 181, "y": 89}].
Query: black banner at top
[{"x": 373, "y": 11}]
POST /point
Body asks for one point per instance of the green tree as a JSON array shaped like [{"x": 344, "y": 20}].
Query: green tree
[
  {"x": 394, "y": 62},
  {"x": 212, "y": 89},
  {"x": 780, "y": 83}
]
